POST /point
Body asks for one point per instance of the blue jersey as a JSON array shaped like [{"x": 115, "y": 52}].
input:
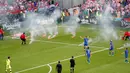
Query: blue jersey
[
  {"x": 111, "y": 45},
  {"x": 88, "y": 53},
  {"x": 126, "y": 53},
  {"x": 85, "y": 41}
]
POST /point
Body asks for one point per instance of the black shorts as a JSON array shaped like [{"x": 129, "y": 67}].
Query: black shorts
[
  {"x": 2, "y": 35},
  {"x": 72, "y": 67},
  {"x": 23, "y": 40}
]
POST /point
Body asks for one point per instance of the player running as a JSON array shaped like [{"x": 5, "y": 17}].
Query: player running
[
  {"x": 88, "y": 54},
  {"x": 126, "y": 55},
  {"x": 23, "y": 38},
  {"x": 85, "y": 42},
  {"x": 111, "y": 49},
  {"x": 8, "y": 66}
]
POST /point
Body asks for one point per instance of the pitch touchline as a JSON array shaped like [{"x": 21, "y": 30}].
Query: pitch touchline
[{"x": 56, "y": 61}]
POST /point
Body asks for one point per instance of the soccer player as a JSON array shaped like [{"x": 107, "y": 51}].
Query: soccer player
[
  {"x": 72, "y": 64},
  {"x": 8, "y": 66},
  {"x": 111, "y": 49},
  {"x": 126, "y": 35},
  {"x": 126, "y": 55},
  {"x": 59, "y": 67},
  {"x": 85, "y": 42},
  {"x": 1, "y": 33},
  {"x": 88, "y": 54},
  {"x": 23, "y": 38}
]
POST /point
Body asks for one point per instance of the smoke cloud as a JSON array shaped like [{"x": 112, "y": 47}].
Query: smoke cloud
[{"x": 107, "y": 30}]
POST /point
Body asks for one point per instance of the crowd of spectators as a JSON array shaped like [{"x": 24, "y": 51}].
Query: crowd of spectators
[
  {"x": 23, "y": 6},
  {"x": 18, "y": 8},
  {"x": 119, "y": 9}
]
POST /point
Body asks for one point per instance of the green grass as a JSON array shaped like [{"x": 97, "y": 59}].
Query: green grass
[{"x": 41, "y": 52}]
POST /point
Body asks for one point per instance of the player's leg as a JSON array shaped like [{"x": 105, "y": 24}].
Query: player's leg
[
  {"x": 59, "y": 71},
  {"x": 10, "y": 70},
  {"x": 109, "y": 52},
  {"x": 73, "y": 34},
  {"x": 21, "y": 41},
  {"x": 126, "y": 59},
  {"x": 112, "y": 52},
  {"x": 2, "y": 36},
  {"x": 85, "y": 46},
  {"x": 24, "y": 41},
  {"x": 72, "y": 70},
  {"x": 88, "y": 59},
  {"x": 7, "y": 67},
  {"x": 126, "y": 38}
]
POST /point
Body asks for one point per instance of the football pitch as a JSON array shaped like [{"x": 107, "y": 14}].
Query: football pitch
[{"x": 42, "y": 55}]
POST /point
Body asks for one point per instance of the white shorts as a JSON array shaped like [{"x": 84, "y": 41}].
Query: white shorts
[{"x": 8, "y": 67}]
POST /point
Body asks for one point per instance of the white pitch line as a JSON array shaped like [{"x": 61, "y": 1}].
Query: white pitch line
[
  {"x": 50, "y": 68},
  {"x": 56, "y": 42},
  {"x": 124, "y": 46},
  {"x": 67, "y": 43},
  {"x": 56, "y": 61}
]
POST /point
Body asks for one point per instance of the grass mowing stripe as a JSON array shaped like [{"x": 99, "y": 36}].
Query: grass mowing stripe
[{"x": 56, "y": 61}]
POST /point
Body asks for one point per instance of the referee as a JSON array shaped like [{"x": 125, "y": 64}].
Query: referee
[
  {"x": 72, "y": 64},
  {"x": 59, "y": 67}
]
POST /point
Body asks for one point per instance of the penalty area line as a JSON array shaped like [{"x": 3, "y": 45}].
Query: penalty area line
[
  {"x": 50, "y": 68},
  {"x": 60, "y": 60}
]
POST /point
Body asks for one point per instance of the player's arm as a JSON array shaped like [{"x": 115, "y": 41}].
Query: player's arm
[{"x": 74, "y": 62}]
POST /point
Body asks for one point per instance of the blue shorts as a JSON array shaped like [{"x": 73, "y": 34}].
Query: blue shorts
[
  {"x": 111, "y": 49},
  {"x": 85, "y": 44},
  {"x": 126, "y": 56},
  {"x": 88, "y": 56}
]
